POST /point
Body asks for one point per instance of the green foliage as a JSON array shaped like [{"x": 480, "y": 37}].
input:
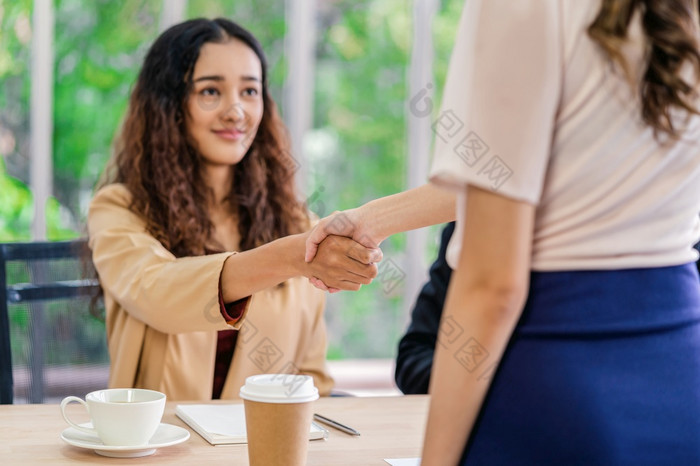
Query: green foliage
[
  {"x": 15, "y": 36},
  {"x": 17, "y": 209},
  {"x": 360, "y": 92},
  {"x": 99, "y": 47},
  {"x": 358, "y": 150}
]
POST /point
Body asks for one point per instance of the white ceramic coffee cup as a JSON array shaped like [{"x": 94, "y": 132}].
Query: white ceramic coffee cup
[{"x": 120, "y": 416}]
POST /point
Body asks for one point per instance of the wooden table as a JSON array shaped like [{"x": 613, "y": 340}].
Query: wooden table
[{"x": 391, "y": 427}]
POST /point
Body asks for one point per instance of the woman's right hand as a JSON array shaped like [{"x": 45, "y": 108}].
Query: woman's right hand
[
  {"x": 348, "y": 223},
  {"x": 340, "y": 263}
]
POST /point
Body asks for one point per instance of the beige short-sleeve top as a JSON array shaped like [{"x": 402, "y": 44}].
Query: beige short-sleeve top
[{"x": 534, "y": 110}]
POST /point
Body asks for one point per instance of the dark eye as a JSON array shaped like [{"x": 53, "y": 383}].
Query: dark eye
[
  {"x": 209, "y": 92},
  {"x": 251, "y": 91},
  {"x": 208, "y": 98}
]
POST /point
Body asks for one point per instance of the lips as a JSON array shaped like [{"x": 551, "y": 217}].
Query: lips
[{"x": 230, "y": 134}]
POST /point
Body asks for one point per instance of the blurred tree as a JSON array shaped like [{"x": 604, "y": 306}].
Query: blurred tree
[
  {"x": 98, "y": 50},
  {"x": 358, "y": 152},
  {"x": 15, "y": 37},
  {"x": 16, "y": 207}
]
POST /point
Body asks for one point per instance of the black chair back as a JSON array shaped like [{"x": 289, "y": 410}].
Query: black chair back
[{"x": 51, "y": 344}]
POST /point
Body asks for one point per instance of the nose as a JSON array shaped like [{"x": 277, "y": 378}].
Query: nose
[{"x": 233, "y": 111}]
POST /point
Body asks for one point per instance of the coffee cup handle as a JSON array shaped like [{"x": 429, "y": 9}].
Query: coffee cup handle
[{"x": 64, "y": 403}]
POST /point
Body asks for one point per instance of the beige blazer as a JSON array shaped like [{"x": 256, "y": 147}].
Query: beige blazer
[{"x": 162, "y": 313}]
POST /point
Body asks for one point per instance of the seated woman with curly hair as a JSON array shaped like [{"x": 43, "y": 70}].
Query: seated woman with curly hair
[{"x": 197, "y": 213}]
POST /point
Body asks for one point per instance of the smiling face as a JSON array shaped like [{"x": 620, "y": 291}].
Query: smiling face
[{"x": 225, "y": 106}]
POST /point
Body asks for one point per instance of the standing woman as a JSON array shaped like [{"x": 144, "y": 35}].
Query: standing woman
[
  {"x": 201, "y": 170},
  {"x": 570, "y": 134}
]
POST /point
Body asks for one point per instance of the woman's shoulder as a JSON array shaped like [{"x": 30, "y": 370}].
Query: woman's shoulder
[
  {"x": 111, "y": 206},
  {"x": 112, "y": 202},
  {"x": 115, "y": 193}
]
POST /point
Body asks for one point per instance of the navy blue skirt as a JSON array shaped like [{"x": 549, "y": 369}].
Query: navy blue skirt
[{"x": 602, "y": 369}]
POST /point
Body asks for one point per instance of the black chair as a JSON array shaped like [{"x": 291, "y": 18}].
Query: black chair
[{"x": 52, "y": 340}]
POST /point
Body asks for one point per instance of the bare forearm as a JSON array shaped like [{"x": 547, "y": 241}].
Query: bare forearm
[
  {"x": 416, "y": 208},
  {"x": 341, "y": 263},
  {"x": 485, "y": 299},
  {"x": 462, "y": 370},
  {"x": 373, "y": 222},
  {"x": 251, "y": 271}
]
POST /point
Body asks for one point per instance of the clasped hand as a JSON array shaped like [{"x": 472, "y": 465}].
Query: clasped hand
[
  {"x": 343, "y": 264},
  {"x": 337, "y": 260}
]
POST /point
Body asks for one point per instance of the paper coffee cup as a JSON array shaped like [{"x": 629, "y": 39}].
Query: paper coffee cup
[{"x": 278, "y": 412}]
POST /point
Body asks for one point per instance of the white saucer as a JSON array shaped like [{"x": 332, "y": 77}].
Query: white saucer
[{"x": 165, "y": 436}]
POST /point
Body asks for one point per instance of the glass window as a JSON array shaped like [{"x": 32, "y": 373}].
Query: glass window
[{"x": 356, "y": 151}]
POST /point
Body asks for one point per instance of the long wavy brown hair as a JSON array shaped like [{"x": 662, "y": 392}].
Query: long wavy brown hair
[
  {"x": 162, "y": 170},
  {"x": 671, "y": 28}
]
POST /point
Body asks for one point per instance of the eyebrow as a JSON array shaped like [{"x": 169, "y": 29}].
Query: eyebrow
[{"x": 221, "y": 78}]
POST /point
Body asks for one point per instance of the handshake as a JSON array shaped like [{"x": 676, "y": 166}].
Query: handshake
[{"x": 342, "y": 252}]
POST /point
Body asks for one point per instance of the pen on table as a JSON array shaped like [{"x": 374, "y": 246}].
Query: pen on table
[{"x": 336, "y": 424}]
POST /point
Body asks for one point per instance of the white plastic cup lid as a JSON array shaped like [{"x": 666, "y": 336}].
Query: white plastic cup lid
[{"x": 279, "y": 388}]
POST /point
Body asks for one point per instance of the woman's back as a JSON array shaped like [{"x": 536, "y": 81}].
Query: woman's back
[
  {"x": 614, "y": 196},
  {"x": 555, "y": 122},
  {"x": 600, "y": 365}
]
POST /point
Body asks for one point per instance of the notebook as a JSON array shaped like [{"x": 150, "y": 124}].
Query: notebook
[{"x": 222, "y": 424}]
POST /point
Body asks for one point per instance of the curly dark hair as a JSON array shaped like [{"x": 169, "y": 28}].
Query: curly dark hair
[
  {"x": 671, "y": 27},
  {"x": 162, "y": 170}
]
